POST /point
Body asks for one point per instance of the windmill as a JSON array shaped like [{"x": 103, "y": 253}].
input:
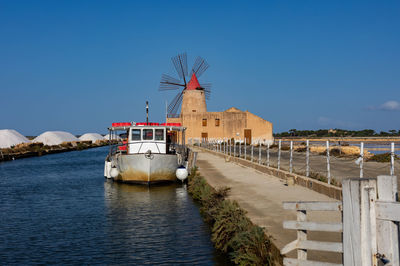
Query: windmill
[{"x": 170, "y": 83}]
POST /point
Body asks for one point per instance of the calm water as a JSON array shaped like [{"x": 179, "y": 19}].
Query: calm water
[{"x": 58, "y": 209}]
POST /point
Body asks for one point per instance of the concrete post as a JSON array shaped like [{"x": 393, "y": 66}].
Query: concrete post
[
  {"x": 362, "y": 159},
  {"x": 234, "y": 148},
  {"x": 291, "y": 157},
  {"x": 259, "y": 152},
  {"x": 307, "y": 158},
  {"x": 392, "y": 159},
  {"x": 279, "y": 154},
  {"x": 328, "y": 166},
  {"x": 268, "y": 155}
]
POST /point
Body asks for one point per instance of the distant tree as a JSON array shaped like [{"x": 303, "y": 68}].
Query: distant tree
[
  {"x": 393, "y": 132},
  {"x": 293, "y": 132}
]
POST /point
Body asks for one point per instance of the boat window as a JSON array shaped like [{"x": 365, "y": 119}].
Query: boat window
[
  {"x": 135, "y": 134},
  {"x": 159, "y": 133},
  {"x": 147, "y": 134}
]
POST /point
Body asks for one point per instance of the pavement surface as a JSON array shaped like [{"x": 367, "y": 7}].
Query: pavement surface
[{"x": 262, "y": 195}]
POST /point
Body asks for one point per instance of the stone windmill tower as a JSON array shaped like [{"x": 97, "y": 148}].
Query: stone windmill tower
[{"x": 191, "y": 96}]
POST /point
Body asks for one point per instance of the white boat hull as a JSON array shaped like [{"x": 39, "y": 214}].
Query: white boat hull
[{"x": 145, "y": 168}]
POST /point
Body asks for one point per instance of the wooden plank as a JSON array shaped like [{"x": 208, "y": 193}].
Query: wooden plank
[
  {"x": 389, "y": 211},
  {"x": 387, "y": 231},
  {"x": 313, "y": 226},
  {"x": 313, "y": 205},
  {"x": 351, "y": 222},
  {"x": 368, "y": 231},
  {"x": 295, "y": 262},
  {"x": 301, "y": 235},
  {"x": 312, "y": 245},
  {"x": 289, "y": 247},
  {"x": 321, "y": 246}
]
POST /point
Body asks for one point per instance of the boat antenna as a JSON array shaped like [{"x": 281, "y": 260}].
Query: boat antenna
[{"x": 147, "y": 112}]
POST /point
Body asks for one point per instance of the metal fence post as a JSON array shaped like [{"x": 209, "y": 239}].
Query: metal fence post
[
  {"x": 259, "y": 152},
  {"x": 279, "y": 154},
  {"x": 252, "y": 148},
  {"x": 240, "y": 148},
  {"x": 230, "y": 147},
  {"x": 291, "y": 157},
  {"x": 307, "y": 158},
  {"x": 245, "y": 150},
  {"x": 392, "y": 159},
  {"x": 268, "y": 155},
  {"x": 362, "y": 159},
  {"x": 328, "y": 165}
]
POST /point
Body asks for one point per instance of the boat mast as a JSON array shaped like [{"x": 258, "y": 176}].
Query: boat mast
[{"x": 147, "y": 112}]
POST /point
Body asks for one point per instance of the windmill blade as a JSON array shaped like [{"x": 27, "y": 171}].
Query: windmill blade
[
  {"x": 180, "y": 64},
  {"x": 173, "y": 107},
  {"x": 169, "y": 83},
  {"x": 200, "y": 65},
  {"x": 178, "y": 105},
  {"x": 207, "y": 93}
]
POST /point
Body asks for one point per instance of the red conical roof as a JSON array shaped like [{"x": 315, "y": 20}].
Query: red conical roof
[{"x": 193, "y": 83}]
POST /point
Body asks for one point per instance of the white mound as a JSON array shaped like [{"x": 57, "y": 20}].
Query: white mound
[
  {"x": 91, "y": 136},
  {"x": 55, "y": 137},
  {"x": 116, "y": 137},
  {"x": 10, "y": 137}
]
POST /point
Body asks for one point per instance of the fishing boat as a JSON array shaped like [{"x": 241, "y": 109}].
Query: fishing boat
[{"x": 146, "y": 153}]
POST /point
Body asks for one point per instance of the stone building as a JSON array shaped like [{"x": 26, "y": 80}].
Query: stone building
[{"x": 229, "y": 124}]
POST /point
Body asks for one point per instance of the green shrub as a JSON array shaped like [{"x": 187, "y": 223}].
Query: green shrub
[
  {"x": 232, "y": 231},
  {"x": 252, "y": 247},
  {"x": 229, "y": 221}
]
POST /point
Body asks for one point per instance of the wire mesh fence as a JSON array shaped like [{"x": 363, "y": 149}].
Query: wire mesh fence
[{"x": 327, "y": 162}]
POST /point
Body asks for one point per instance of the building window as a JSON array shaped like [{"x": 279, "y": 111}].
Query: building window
[
  {"x": 204, "y": 122},
  {"x": 217, "y": 122},
  {"x": 194, "y": 111}
]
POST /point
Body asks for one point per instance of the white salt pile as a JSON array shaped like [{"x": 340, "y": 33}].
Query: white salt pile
[
  {"x": 10, "y": 137},
  {"x": 91, "y": 136},
  {"x": 55, "y": 137},
  {"x": 113, "y": 136}
]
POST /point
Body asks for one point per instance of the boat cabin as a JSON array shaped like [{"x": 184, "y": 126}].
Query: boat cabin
[{"x": 149, "y": 137}]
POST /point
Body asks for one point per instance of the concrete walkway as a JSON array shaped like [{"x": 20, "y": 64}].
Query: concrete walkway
[{"x": 262, "y": 195}]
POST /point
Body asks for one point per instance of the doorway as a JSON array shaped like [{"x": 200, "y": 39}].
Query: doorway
[{"x": 247, "y": 136}]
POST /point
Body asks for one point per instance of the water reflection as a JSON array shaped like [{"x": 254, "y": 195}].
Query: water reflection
[
  {"x": 57, "y": 209},
  {"x": 158, "y": 223}
]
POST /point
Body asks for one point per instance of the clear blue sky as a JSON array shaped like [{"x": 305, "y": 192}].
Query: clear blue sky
[{"x": 80, "y": 65}]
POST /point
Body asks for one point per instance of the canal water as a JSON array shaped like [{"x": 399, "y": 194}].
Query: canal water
[{"x": 59, "y": 209}]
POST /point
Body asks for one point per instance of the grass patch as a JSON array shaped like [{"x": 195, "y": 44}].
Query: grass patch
[{"x": 232, "y": 231}]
